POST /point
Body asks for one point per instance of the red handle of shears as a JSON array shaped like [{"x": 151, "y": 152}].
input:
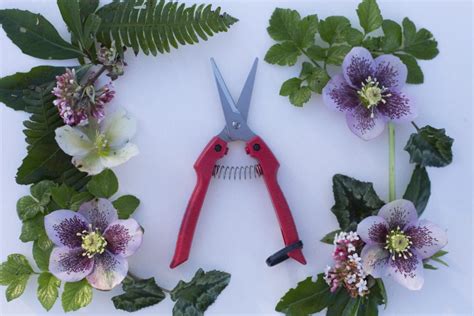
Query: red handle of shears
[
  {"x": 204, "y": 166},
  {"x": 257, "y": 148}
]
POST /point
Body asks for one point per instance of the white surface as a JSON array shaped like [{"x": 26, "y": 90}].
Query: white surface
[{"x": 175, "y": 100}]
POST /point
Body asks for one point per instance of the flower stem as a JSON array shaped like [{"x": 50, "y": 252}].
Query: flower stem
[
  {"x": 96, "y": 76},
  {"x": 391, "y": 162}
]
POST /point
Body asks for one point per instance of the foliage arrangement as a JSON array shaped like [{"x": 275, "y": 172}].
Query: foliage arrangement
[
  {"x": 81, "y": 232},
  {"x": 375, "y": 239}
]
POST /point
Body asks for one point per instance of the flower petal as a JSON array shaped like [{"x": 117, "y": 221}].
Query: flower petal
[
  {"x": 408, "y": 272},
  {"x": 119, "y": 156},
  {"x": 70, "y": 265},
  {"x": 373, "y": 229},
  {"x": 338, "y": 95},
  {"x": 124, "y": 237},
  {"x": 90, "y": 163},
  {"x": 73, "y": 141},
  {"x": 99, "y": 212},
  {"x": 399, "y": 213},
  {"x": 62, "y": 227},
  {"x": 375, "y": 260},
  {"x": 427, "y": 238},
  {"x": 119, "y": 128},
  {"x": 398, "y": 108},
  {"x": 357, "y": 66},
  {"x": 363, "y": 125},
  {"x": 390, "y": 71},
  {"x": 109, "y": 271}
]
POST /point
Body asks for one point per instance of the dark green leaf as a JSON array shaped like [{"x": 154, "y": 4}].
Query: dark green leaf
[
  {"x": 91, "y": 27},
  {"x": 380, "y": 293},
  {"x": 138, "y": 294},
  {"x": 27, "y": 207},
  {"x": 71, "y": 15},
  {"x": 41, "y": 255},
  {"x": 415, "y": 74},
  {"x": 430, "y": 147},
  {"x": 283, "y": 54},
  {"x": 372, "y": 43},
  {"x": 103, "y": 185},
  {"x": 126, "y": 205},
  {"x": 316, "y": 77},
  {"x": 47, "y": 292},
  {"x": 283, "y": 24},
  {"x": 429, "y": 266},
  {"x": 333, "y": 29},
  {"x": 419, "y": 189},
  {"x": 329, "y": 238},
  {"x": 78, "y": 199},
  {"x": 76, "y": 295},
  {"x": 194, "y": 297},
  {"x": 15, "y": 273},
  {"x": 35, "y": 35},
  {"x": 392, "y": 39},
  {"x": 290, "y": 86},
  {"x": 337, "y": 53},
  {"x": 87, "y": 7},
  {"x": 41, "y": 191},
  {"x": 300, "y": 96},
  {"x": 340, "y": 300},
  {"x": 352, "y": 307},
  {"x": 62, "y": 195},
  {"x": 369, "y": 14},
  {"x": 307, "y": 297},
  {"x": 32, "y": 229},
  {"x": 354, "y": 37},
  {"x": 316, "y": 52},
  {"x": 354, "y": 201},
  {"x": 421, "y": 43}
]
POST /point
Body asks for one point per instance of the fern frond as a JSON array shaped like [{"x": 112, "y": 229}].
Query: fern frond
[{"x": 153, "y": 27}]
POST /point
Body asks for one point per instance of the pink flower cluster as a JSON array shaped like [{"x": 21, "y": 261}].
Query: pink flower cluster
[
  {"x": 76, "y": 102},
  {"x": 347, "y": 271}
]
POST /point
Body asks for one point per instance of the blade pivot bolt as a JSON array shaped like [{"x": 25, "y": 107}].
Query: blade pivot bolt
[
  {"x": 236, "y": 125},
  {"x": 256, "y": 147},
  {"x": 218, "y": 148}
]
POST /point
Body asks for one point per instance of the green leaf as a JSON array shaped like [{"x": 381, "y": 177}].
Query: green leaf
[
  {"x": 369, "y": 14},
  {"x": 392, "y": 39},
  {"x": 126, "y": 205},
  {"x": 373, "y": 43},
  {"x": 138, "y": 294},
  {"x": 91, "y": 27},
  {"x": 316, "y": 77},
  {"x": 421, "y": 44},
  {"x": 380, "y": 292},
  {"x": 300, "y": 96},
  {"x": 307, "y": 297},
  {"x": 283, "y": 54},
  {"x": 437, "y": 258},
  {"x": 41, "y": 254},
  {"x": 35, "y": 35},
  {"x": 12, "y": 87},
  {"x": 103, "y": 185},
  {"x": 354, "y": 37},
  {"x": 32, "y": 229},
  {"x": 155, "y": 26},
  {"x": 15, "y": 273},
  {"x": 71, "y": 15},
  {"x": 415, "y": 74},
  {"x": 47, "y": 292},
  {"x": 62, "y": 196},
  {"x": 336, "y": 54},
  {"x": 333, "y": 29},
  {"x": 419, "y": 189},
  {"x": 352, "y": 307},
  {"x": 429, "y": 266},
  {"x": 87, "y": 7},
  {"x": 290, "y": 86},
  {"x": 194, "y": 297},
  {"x": 340, "y": 300},
  {"x": 27, "y": 207},
  {"x": 316, "y": 52},
  {"x": 41, "y": 191},
  {"x": 306, "y": 31},
  {"x": 283, "y": 24},
  {"x": 16, "y": 288},
  {"x": 354, "y": 201},
  {"x": 430, "y": 147},
  {"x": 329, "y": 237},
  {"x": 76, "y": 295},
  {"x": 78, "y": 199}
]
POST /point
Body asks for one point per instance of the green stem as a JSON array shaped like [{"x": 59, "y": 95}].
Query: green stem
[
  {"x": 415, "y": 126},
  {"x": 311, "y": 59},
  {"x": 391, "y": 162}
]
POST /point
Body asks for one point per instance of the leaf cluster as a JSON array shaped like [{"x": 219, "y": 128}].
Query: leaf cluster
[{"x": 327, "y": 42}]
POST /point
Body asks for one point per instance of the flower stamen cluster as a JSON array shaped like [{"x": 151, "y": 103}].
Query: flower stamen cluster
[
  {"x": 398, "y": 244},
  {"x": 371, "y": 94},
  {"x": 92, "y": 242}
]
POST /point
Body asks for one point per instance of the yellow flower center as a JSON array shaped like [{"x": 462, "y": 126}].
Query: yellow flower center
[
  {"x": 371, "y": 94},
  {"x": 92, "y": 242},
  {"x": 398, "y": 244},
  {"x": 102, "y": 144}
]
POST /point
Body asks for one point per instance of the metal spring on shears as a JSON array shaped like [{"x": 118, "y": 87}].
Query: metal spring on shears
[{"x": 237, "y": 172}]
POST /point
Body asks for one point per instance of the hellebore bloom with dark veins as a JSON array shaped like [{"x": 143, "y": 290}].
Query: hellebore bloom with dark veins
[
  {"x": 397, "y": 242},
  {"x": 369, "y": 92},
  {"x": 92, "y": 243}
]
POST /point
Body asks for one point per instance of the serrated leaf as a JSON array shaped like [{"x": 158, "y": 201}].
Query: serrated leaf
[
  {"x": 41, "y": 191},
  {"x": 415, "y": 74},
  {"x": 283, "y": 24},
  {"x": 336, "y": 54},
  {"x": 76, "y": 295},
  {"x": 62, "y": 196},
  {"x": 126, "y": 205},
  {"x": 194, "y": 297},
  {"x": 419, "y": 189},
  {"x": 369, "y": 14},
  {"x": 16, "y": 265},
  {"x": 392, "y": 39},
  {"x": 47, "y": 292},
  {"x": 316, "y": 52},
  {"x": 27, "y": 207},
  {"x": 290, "y": 86},
  {"x": 421, "y": 44},
  {"x": 353, "y": 36},
  {"x": 354, "y": 201},
  {"x": 16, "y": 288},
  {"x": 373, "y": 43},
  {"x": 35, "y": 35},
  {"x": 329, "y": 237},
  {"x": 306, "y": 31},
  {"x": 315, "y": 77},
  {"x": 300, "y": 96},
  {"x": 308, "y": 297},
  {"x": 333, "y": 29},
  {"x": 41, "y": 254},
  {"x": 32, "y": 229},
  {"x": 78, "y": 199},
  {"x": 138, "y": 294},
  {"x": 103, "y": 185},
  {"x": 430, "y": 147},
  {"x": 283, "y": 54}
]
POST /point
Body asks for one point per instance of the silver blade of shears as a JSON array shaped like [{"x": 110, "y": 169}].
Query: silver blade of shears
[
  {"x": 246, "y": 95},
  {"x": 236, "y": 126}
]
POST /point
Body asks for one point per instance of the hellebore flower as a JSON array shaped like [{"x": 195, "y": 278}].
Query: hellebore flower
[
  {"x": 76, "y": 102},
  {"x": 92, "y": 243},
  {"x": 369, "y": 92},
  {"x": 98, "y": 146},
  {"x": 397, "y": 242}
]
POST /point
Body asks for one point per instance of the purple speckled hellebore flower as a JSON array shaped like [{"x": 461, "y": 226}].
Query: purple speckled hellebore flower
[
  {"x": 92, "y": 243},
  {"x": 397, "y": 242},
  {"x": 369, "y": 92}
]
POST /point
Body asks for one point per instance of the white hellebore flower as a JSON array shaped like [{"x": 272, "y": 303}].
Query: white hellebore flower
[{"x": 98, "y": 146}]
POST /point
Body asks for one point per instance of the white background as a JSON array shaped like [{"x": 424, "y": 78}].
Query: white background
[{"x": 175, "y": 100}]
